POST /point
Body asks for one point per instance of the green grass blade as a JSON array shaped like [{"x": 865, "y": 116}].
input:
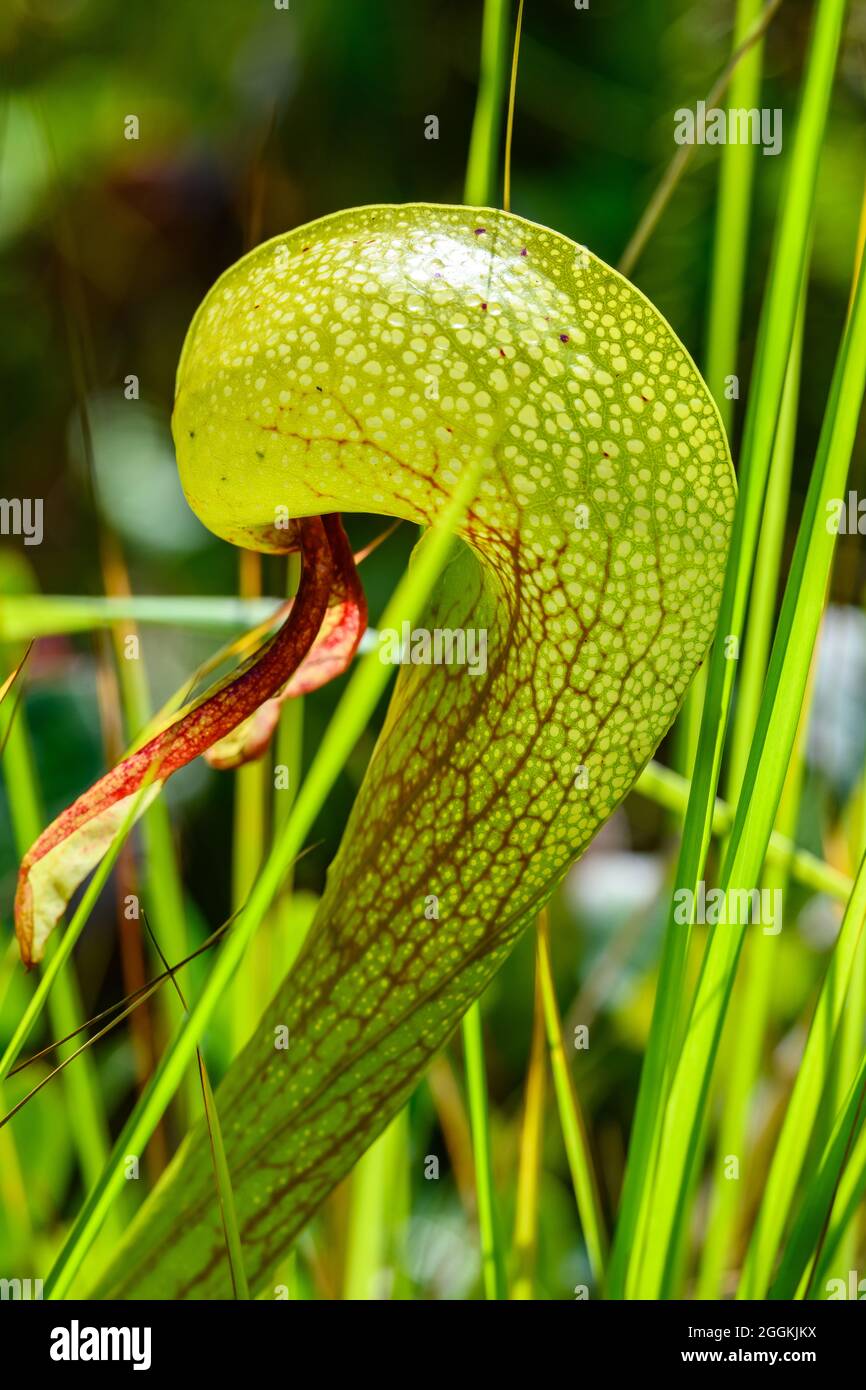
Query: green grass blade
[
  {"x": 570, "y": 1115},
  {"x": 378, "y": 1212},
  {"x": 289, "y": 750},
  {"x": 525, "y": 1242},
  {"x": 776, "y": 328},
  {"x": 748, "y": 1023},
  {"x": 482, "y": 172},
  {"x": 847, "y": 1207},
  {"x": 26, "y": 616},
  {"x": 479, "y": 189},
  {"x": 222, "y": 1175},
  {"x": 248, "y": 853},
  {"x": 768, "y": 763},
  {"x": 798, "y": 1266},
  {"x": 736, "y": 175},
  {"x": 88, "y": 1124},
  {"x": 802, "y": 1112},
  {"x": 754, "y": 989},
  {"x": 668, "y": 789},
  {"x": 492, "y": 1261},
  {"x": 365, "y": 1240},
  {"x": 58, "y": 954},
  {"x": 234, "y": 1249},
  {"x": 762, "y": 605},
  {"x": 161, "y": 883}
]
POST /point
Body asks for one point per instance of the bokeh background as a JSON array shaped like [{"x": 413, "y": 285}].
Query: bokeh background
[{"x": 253, "y": 120}]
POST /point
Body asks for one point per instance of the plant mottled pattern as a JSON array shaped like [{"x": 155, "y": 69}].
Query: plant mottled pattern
[{"x": 359, "y": 364}]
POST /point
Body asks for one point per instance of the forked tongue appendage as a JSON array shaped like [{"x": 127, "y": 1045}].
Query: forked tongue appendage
[{"x": 316, "y": 642}]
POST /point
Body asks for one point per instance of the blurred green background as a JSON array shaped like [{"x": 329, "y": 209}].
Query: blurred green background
[{"x": 253, "y": 120}]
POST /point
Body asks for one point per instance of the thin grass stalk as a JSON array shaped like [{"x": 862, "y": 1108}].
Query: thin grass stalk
[
  {"x": 13, "y": 1188},
  {"x": 399, "y": 1211},
  {"x": 672, "y": 175},
  {"x": 846, "y": 1059},
  {"x": 727, "y": 275},
  {"x": 752, "y": 992},
  {"x": 733, "y": 210},
  {"x": 291, "y": 1278},
  {"x": 847, "y": 1206},
  {"x": 228, "y": 1213},
  {"x": 570, "y": 1115},
  {"x": 482, "y": 172},
  {"x": 365, "y": 1238},
  {"x": 669, "y": 790},
  {"x": 688, "y": 726},
  {"x": 746, "y": 1045},
  {"x": 225, "y": 1193},
  {"x": 131, "y": 942},
  {"x": 768, "y": 564},
  {"x": 853, "y": 1030},
  {"x": 847, "y": 1056},
  {"x": 492, "y": 1261},
  {"x": 87, "y": 1121},
  {"x": 161, "y": 882},
  {"x": 479, "y": 188},
  {"x": 803, "y": 1107},
  {"x": 289, "y": 749},
  {"x": 251, "y": 988},
  {"x": 13, "y": 1193},
  {"x": 58, "y": 954},
  {"x": 377, "y": 1212},
  {"x": 525, "y": 1241},
  {"x": 801, "y": 1261},
  {"x": 448, "y": 1102},
  {"x": 118, "y": 1011},
  {"x": 512, "y": 100},
  {"x": 24, "y": 617}
]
